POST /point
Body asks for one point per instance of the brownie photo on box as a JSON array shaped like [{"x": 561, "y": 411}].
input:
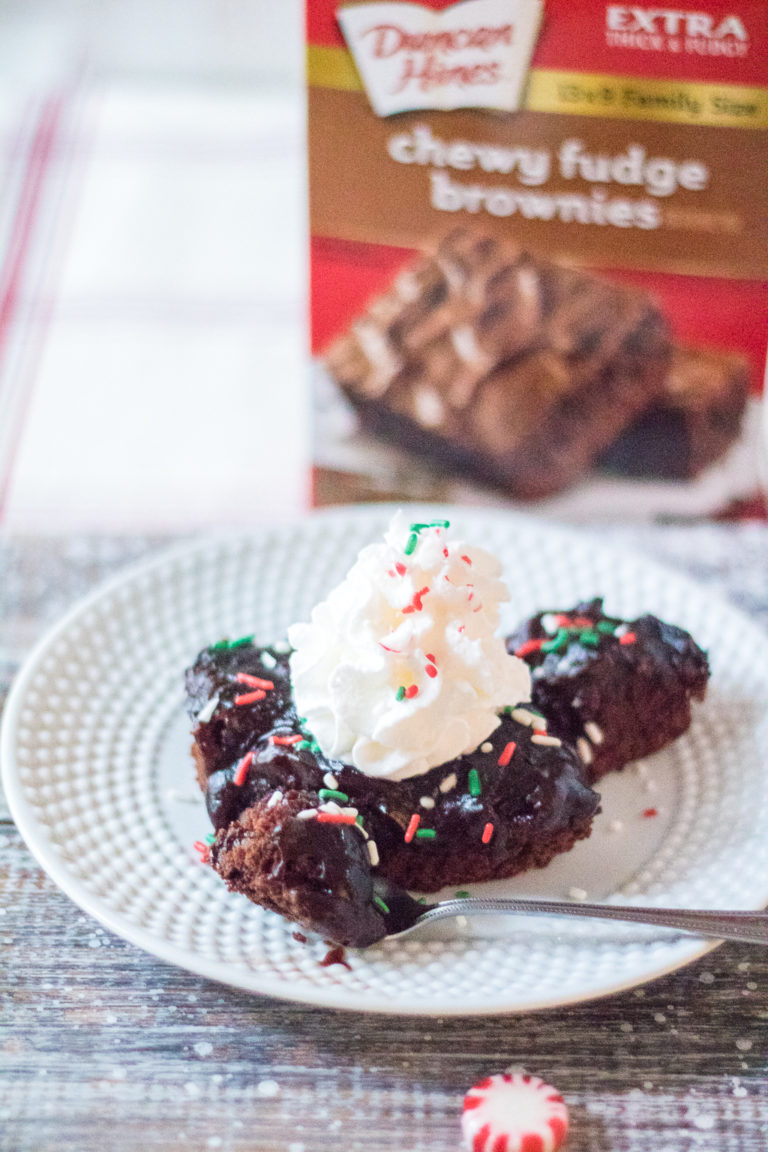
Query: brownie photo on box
[{"x": 500, "y": 365}]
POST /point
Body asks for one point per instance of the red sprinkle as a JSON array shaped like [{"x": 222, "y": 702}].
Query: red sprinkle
[
  {"x": 507, "y": 754},
  {"x": 627, "y": 638},
  {"x": 400, "y": 569},
  {"x": 529, "y": 646},
  {"x": 649, "y": 813},
  {"x": 335, "y": 818},
  {"x": 286, "y": 739},
  {"x": 416, "y": 604},
  {"x": 487, "y": 833},
  {"x": 467, "y": 560},
  {"x": 411, "y": 691},
  {"x": 255, "y": 681},
  {"x": 539, "y": 732},
  {"x": 203, "y": 849},
  {"x": 445, "y": 553},
  {"x": 413, "y": 824},
  {"x": 431, "y": 670},
  {"x": 242, "y": 769},
  {"x": 250, "y": 697},
  {"x": 387, "y": 649}
]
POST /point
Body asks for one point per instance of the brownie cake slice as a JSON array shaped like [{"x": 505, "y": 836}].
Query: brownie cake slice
[
  {"x": 693, "y": 421},
  {"x": 333, "y": 848},
  {"x": 502, "y": 365},
  {"x": 615, "y": 689}
]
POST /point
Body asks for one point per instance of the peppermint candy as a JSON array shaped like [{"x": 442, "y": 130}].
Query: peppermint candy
[{"x": 514, "y": 1112}]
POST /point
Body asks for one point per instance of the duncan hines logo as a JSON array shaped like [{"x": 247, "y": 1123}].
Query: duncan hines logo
[
  {"x": 675, "y": 30},
  {"x": 474, "y": 54}
]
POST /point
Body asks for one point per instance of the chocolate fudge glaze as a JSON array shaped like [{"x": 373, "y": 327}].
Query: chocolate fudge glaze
[
  {"x": 322, "y": 875},
  {"x": 615, "y": 697}
]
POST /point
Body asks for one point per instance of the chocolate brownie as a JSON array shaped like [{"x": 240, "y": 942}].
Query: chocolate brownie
[
  {"x": 615, "y": 689},
  {"x": 319, "y": 841},
  {"x": 690, "y": 424},
  {"x": 501, "y": 364}
]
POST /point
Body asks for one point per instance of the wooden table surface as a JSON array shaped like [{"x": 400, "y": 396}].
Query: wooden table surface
[{"x": 104, "y": 1047}]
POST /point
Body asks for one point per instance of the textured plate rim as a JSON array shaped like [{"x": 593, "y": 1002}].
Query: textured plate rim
[{"x": 680, "y": 952}]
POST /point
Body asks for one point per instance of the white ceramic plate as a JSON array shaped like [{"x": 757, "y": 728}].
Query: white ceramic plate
[{"x": 95, "y": 751}]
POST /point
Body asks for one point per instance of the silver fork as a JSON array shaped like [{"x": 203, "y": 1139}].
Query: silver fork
[{"x": 748, "y": 927}]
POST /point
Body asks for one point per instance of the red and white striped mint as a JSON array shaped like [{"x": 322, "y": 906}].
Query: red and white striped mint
[{"x": 514, "y": 1112}]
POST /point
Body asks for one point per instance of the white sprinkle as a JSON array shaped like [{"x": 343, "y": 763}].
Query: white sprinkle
[
  {"x": 448, "y": 782},
  {"x": 486, "y": 747},
  {"x": 649, "y": 785},
  {"x": 208, "y": 710},
  {"x": 171, "y": 794},
  {"x": 523, "y": 716},
  {"x": 282, "y": 647},
  {"x": 577, "y": 893},
  {"x": 191, "y": 1088},
  {"x": 549, "y": 623},
  {"x": 584, "y": 748},
  {"x": 268, "y": 660},
  {"x": 203, "y": 1048},
  {"x": 296, "y": 1146},
  {"x": 268, "y": 1088},
  {"x": 642, "y": 770},
  {"x": 550, "y": 741},
  {"x": 621, "y": 630},
  {"x": 331, "y": 782},
  {"x": 743, "y": 1045},
  {"x": 704, "y": 1123},
  {"x": 330, "y": 806},
  {"x": 275, "y": 798},
  {"x": 306, "y": 814},
  {"x": 616, "y": 826},
  {"x": 739, "y": 1090},
  {"x": 660, "y": 1018},
  {"x": 426, "y": 802},
  {"x": 373, "y": 853},
  {"x": 461, "y": 921},
  {"x": 626, "y": 1026},
  {"x": 594, "y": 731}
]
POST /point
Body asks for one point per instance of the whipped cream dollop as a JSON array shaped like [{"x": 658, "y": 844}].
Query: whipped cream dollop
[{"x": 401, "y": 669}]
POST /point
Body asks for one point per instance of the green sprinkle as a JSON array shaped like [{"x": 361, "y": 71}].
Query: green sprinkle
[
  {"x": 473, "y": 782},
  {"x": 304, "y": 744},
  {"x": 421, "y": 900},
  {"x": 225, "y": 645},
  {"x": 242, "y": 641},
  {"x": 210, "y": 838},
  {"x": 606, "y": 626},
  {"x": 332, "y": 794},
  {"x": 359, "y": 820},
  {"x": 400, "y": 694},
  {"x": 589, "y": 638},
  {"x": 411, "y": 545},
  {"x": 380, "y": 904},
  {"x": 426, "y": 834},
  {"x": 417, "y": 527},
  {"x": 439, "y": 524},
  {"x": 508, "y": 709},
  {"x": 462, "y": 894},
  {"x": 557, "y": 642}
]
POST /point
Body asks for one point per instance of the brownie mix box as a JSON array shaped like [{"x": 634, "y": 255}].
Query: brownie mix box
[{"x": 538, "y": 253}]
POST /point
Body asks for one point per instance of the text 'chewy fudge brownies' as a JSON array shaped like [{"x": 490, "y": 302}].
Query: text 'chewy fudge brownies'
[
  {"x": 388, "y": 749},
  {"x": 502, "y": 364},
  {"x": 616, "y": 689}
]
